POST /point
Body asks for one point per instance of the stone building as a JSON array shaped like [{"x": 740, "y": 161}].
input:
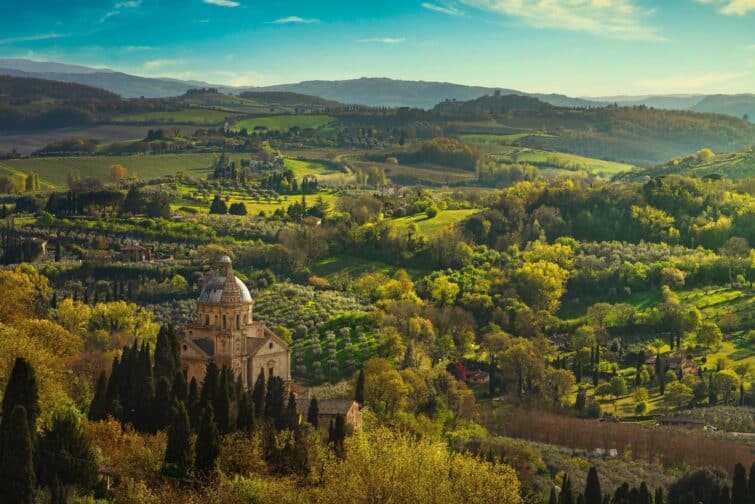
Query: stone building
[
  {"x": 328, "y": 409},
  {"x": 225, "y": 332}
]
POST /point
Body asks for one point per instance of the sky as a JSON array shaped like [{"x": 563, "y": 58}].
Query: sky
[{"x": 575, "y": 47}]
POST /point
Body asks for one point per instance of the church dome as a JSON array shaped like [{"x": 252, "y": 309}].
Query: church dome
[{"x": 223, "y": 287}]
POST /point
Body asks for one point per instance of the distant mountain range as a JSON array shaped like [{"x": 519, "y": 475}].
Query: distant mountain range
[{"x": 365, "y": 91}]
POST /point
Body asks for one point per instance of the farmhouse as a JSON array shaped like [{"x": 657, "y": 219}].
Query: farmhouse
[
  {"x": 329, "y": 409},
  {"x": 225, "y": 332}
]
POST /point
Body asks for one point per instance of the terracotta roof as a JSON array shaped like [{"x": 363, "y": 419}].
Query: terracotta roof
[{"x": 326, "y": 406}]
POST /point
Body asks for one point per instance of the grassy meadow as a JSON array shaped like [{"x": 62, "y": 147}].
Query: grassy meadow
[
  {"x": 284, "y": 122},
  {"x": 195, "y": 116},
  {"x": 54, "y": 171}
]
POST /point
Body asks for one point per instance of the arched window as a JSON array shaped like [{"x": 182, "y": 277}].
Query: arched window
[
  {"x": 225, "y": 322},
  {"x": 206, "y": 320},
  {"x": 238, "y": 321}
]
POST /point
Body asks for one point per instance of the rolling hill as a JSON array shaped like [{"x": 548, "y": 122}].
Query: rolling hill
[{"x": 734, "y": 165}]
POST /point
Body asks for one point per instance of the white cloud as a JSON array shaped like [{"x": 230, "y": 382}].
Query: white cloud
[
  {"x": 136, "y": 48},
  {"x": 159, "y": 63},
  {"x": 620, "y": 19},
  {"x": 118, "y": 7},
  {"x": 443, "y": 9},
  {"x": 710, "y": 82},
  {"x": 238, "y": 79},
  {"x": 294, "y": 20},
  {"x": 382, "y": 40},
  {"x": 732, "y": 7},
  {"x": 222, "y": 3},
  {"x": 32, "y": 38}
]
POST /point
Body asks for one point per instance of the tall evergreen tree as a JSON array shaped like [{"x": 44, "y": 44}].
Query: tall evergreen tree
[
  {"x": 180, "y": 389},
  {"x": 194, "y": 404},
  {"x": 274, "y": 410},
  {"x": 359, "y": 389},
  {"x": 167, "y": 353},
  {"x": 245, "y": 419},
  {"x": 313, "y": 413},
  {"x": 22, "y": 390},
  {"x": 258, "y": 394},
  {"x": 553, "y": 499},
  {"x": 162, "y": 405},
  {"x": 222, "y": 402},
  {"x": 98, "y": 407},
  {"x": 209, "y": 385},
  {"x": 207, "y": 448},
  {"x": 739, "y": 492},
  {"x": 178, "y": 451},
  {"x": 592, "y": 488},
  {"x": 66, "y": 458},
  {"x": 724, "y": 497},
  {"x": 659, "y": 496},
  {"x": 566, "y": 496},
  {"x": 17, "y": 478},
  {"x": 292, "y": 417},
  {"x": 645, "y": 497},
  {"x": 339, "y": 433}
]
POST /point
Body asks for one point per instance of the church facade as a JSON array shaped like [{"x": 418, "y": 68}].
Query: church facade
[{"x": 225, "y": 332}]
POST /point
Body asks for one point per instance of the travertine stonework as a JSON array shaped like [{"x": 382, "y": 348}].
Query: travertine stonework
[{"x": 225, "y": 332}]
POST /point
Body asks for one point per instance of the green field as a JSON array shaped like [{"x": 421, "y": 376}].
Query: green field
[
  {"x": 196, "y": 116},
  {"x": 55, "y": 170},
  {"x": 430, "y": 226},
  {"x": 501, "y": 147},
  {"x": 355, "y": 266},
  {"x": 284, "y": 122}
]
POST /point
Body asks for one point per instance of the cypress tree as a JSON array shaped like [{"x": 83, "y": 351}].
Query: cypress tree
[
  {"x": 210, "y": 385},
  {"x": 222, "y": 403},
  {"x": 208, "y": 444},
  {"x": 274, "y": 410},
  {"x": 22, "y": 390},
  {"x": 193, "y": 404},
  {"x": 580, "y": 499},
  {"x": 592, "y": 488},
  {"x": 17, "y": 479},
  {"x": 258, "y": 394},
  {"x": 712, "y": 396},
  {"x": 565, "y": 496},
  {"x": 644, "y": 495},
  {"x": 167, "y": 353},
  {"x": 332, "y": 432},
  {"x": 739, "y": 485},
  {"x": 292, "y": 416},
  {"x": 658, "y": 496},
  {"x": 313, "y": 413},
  {"x": 724, "y": 497},
  {"x": 98, "y": 407},
  {"x": 180, "y": 389},
  {"x": 751, "y": 483},
  {"x": 66, "y": 457},
  {"x": 553, "y": 499},
  {"x": 143, "y": 403},
  {"x": 161, "y": 405},
  {"x": 359, "y": 389},
  {"x": 245, "y": 420},
  {"x": 178, "y": 451},
  {"x": 578, "y": 374}
]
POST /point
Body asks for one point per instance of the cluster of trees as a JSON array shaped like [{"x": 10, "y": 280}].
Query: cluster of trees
[
  {"x": 59, "y": 462},
  {"x": 220, "y": 207},
  {"x": 285, "y": 182},
  {"x": 445, "y": 151}
]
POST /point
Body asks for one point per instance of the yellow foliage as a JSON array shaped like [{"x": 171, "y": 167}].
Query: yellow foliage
[
  {"x": 385, "y": 466},
  {"x": 24, "y": 294}
]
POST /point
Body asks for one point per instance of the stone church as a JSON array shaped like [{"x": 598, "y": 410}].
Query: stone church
[{"x": 225, "y": 332}]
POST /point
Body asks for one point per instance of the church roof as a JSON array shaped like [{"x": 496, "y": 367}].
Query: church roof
[{"x": 223, "y": 287}]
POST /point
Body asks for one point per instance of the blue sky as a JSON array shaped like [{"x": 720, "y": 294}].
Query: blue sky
[{"x": 577, "y": 47}]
